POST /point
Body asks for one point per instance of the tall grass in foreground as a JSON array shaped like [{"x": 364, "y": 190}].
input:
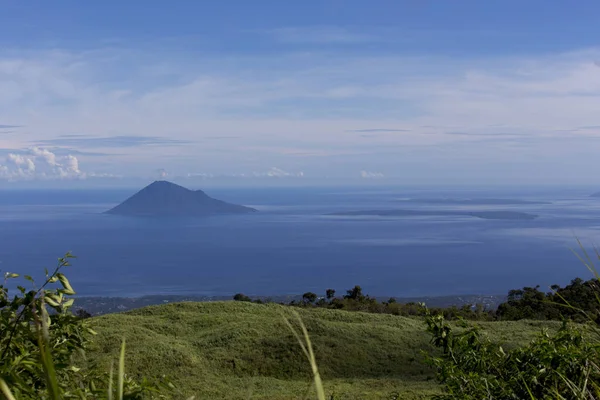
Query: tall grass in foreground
[{"x": 306, "y": 345}]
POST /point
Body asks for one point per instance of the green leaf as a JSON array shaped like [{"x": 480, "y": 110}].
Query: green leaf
[
  {"x": 52, "y": 300},
  {"x": 50, "y": 372},
  {"x": 10, "y": 275},
  {"x": 53, "y": 279},
  {"x": 68, "y": 303},
  {"x": 46, "y": 357},
  {"x": 65, "y": 283},
  {"x": 28, "y": 277}
]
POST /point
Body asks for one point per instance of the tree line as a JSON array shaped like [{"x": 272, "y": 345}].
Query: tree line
[{"x": 527, "y": 303}]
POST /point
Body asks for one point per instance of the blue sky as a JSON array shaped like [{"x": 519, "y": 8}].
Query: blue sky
[{"x": 456, "y": 92}]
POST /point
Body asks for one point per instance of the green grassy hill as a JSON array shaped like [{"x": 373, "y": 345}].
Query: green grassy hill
[{"x": 238, "y": 350}]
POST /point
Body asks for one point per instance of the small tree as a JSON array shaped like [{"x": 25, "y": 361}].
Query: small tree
[
  {"x": 82, "y": 314},
  {"x": 241, "y": 297},
  {"x": 355, "y": 294},
  {"x": 309, "y": 297},
  {"x": 321, "y": 302},
  {"x": 330, "y": 294}
]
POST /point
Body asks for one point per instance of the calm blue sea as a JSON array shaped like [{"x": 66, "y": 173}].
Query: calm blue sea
[{"x": 290, "y": 247}]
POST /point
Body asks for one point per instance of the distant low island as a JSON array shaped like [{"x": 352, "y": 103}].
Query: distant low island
[
  {"x": 167, "y": 199},
  {"x": 482, "y": 202},
  {"x": 503, "y": 215}
]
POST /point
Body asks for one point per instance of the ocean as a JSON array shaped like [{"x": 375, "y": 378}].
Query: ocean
[{"x": 291, "y": 246}]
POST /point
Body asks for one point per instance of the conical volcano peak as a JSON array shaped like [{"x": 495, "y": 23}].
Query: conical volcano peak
[
  {"x": 164, "y": 198},
  {"x": 165, "y": 185}
]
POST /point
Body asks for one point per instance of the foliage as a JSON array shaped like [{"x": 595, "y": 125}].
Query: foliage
[
  {"x": 531, "y": 303},
  {"x": 241, "y": 297},
  {"x": 563, "y": 365},
  {"x": 21, "y": 365},
  {"x": 356, "y": 300},
  {"x": 42, "y": 344},
  {"x": 82, "y": 314},
  {"x": 473, "y": 367},
  {"x": 527, "y": 303},
  {"x": 309, "y": 297},
  {"x": 330, "y": 294}
]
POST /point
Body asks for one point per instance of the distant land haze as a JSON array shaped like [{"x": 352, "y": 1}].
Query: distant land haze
[
  {"x": 597, "y": 194},
  {"x": 505, "y": 215},
  {"x": 476, "y": 201},
  {"x": 167, "y": 199}
]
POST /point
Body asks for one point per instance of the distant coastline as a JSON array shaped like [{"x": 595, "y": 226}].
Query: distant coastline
[
  {"x": 499, "y": 215},
  {"x": 480, "y": 202},
  {"x": 99, "y": 305}
]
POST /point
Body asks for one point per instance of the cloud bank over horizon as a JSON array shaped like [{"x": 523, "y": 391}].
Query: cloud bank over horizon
[{"x": 38, "y": 163}]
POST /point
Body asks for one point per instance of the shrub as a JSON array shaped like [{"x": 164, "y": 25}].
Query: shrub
[
  {"x": 309, "y": 297},
  {"x": 241, "y": 297},
  {"x": 473, "y": 367},
  {"x": 564, "y": 365},
  {"x": 42, "y": 343}
]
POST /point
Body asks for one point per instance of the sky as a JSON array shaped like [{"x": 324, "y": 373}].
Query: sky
[{"x": 402, "y": 91}]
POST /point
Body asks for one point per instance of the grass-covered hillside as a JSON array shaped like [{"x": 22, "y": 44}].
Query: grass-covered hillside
[{"x": 239, "y": 350}]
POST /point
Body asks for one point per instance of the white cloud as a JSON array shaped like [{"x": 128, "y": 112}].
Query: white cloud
[
  {"x": 275, "y": 172},
  {"x": 40, "y": 164},
  {"x": 201, "y": 175},
  {"x": 162, "y": 173},
  {"x": 304, "y": 105},
  {"x": 102, "y": 175},
  {"x": 371, "y": 175}
]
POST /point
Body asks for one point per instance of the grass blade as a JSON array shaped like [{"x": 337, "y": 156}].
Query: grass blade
[
  {"x": 531, "y": 396},
  {"x": 110, "y": 383},
  {"x": 45, "y": 355},
  {"x": 5, "y": 390},
  {"x": 121, "y": 371},
  {"x": 306, "y": 346}
]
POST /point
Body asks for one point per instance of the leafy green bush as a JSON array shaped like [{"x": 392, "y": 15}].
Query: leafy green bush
[
  {"x": 552, "y": 366},
  {"x": 42, "y": 345},
  {"x": 559, "y": 303},
  {"x": 564, "y": 365}
]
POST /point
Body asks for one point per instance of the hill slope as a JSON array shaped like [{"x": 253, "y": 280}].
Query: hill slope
[
  {"x": 233, "y": 349},
  {"x": 162, "y": 198}
]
